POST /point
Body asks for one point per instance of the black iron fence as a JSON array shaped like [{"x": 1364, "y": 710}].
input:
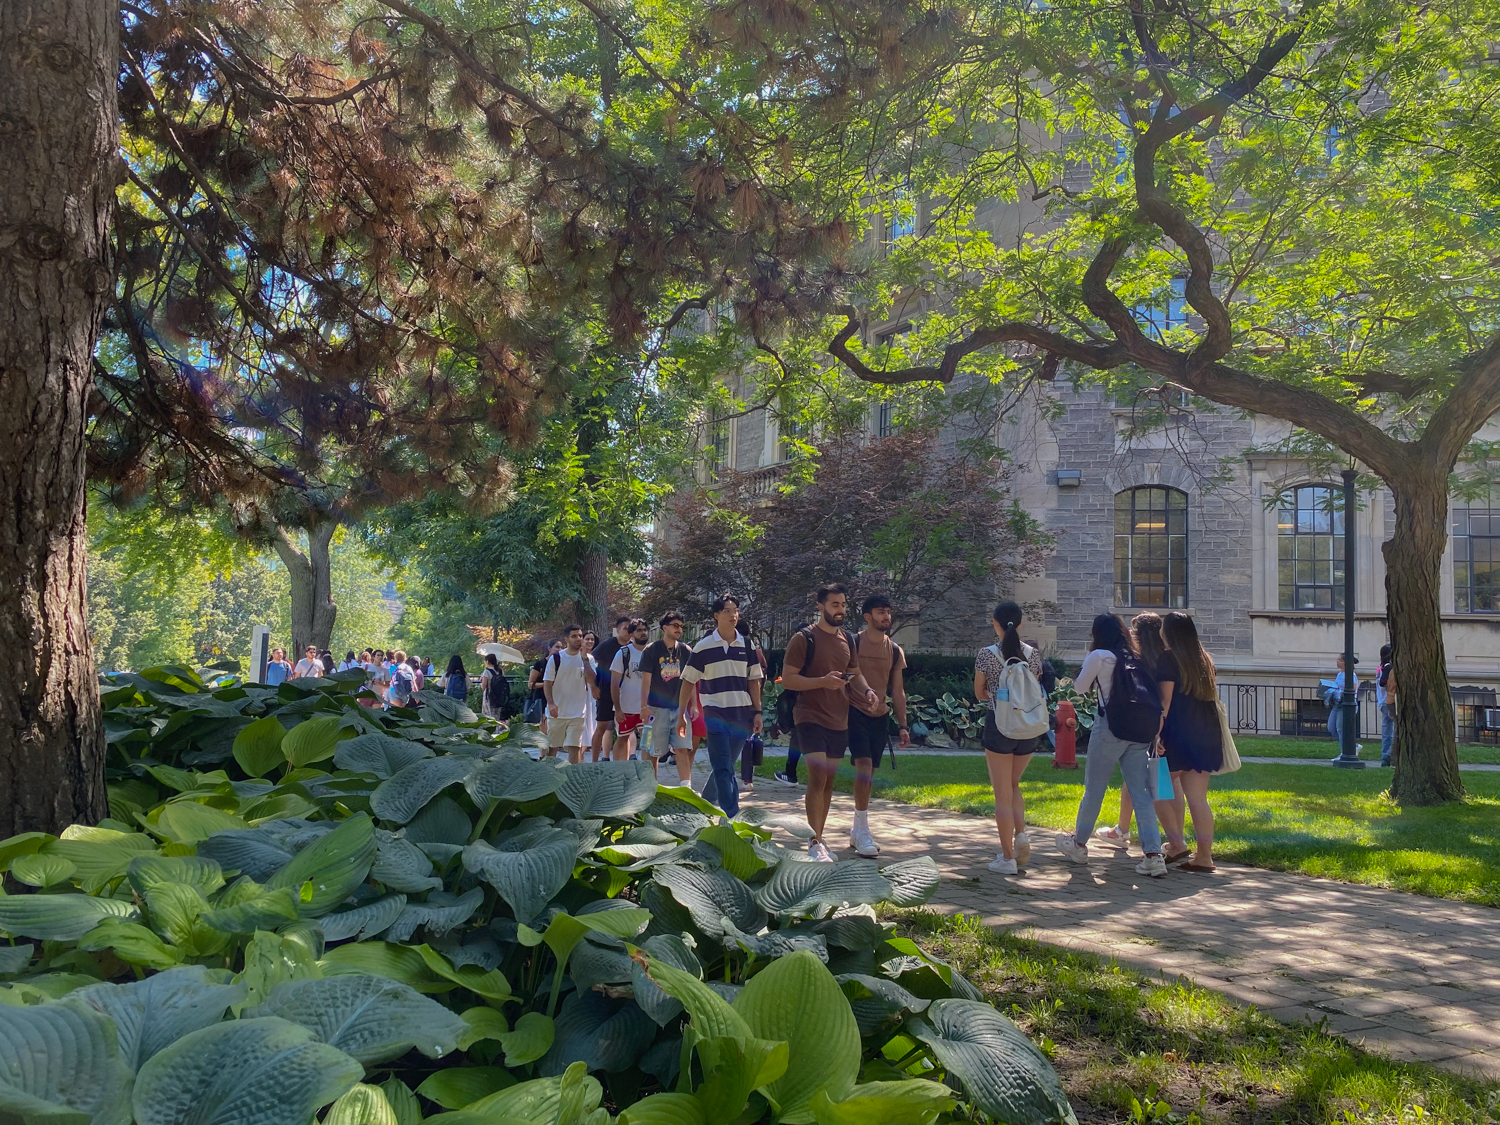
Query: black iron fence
[{"x": 1297, "y": 710}]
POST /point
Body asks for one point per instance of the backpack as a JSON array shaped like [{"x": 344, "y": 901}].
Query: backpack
[
  {"x": 402, "y": 682},
  {"x": 786, "y": 702},
  {"x": 1020, "y": 705},
  {"x": 498, "y": 690},
  {"x": 1134, "y": 707}
]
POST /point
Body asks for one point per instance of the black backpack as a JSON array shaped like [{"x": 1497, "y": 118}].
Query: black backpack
[
  {"x": 786, "y": 702},
  {"x": 499, "y": 690},
  {"x": 1134, "y": 706}
]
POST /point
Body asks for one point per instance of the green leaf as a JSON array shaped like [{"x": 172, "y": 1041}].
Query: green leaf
[
  {"x": 797, "y": 1000},
  {"x": 146, "y": 872},
  {"x": 439, "y": 914},
  {"x": 363, "y": 1105},
  {"x": 539, "y": 1100},
  {"x": 372, "y": 1018},
  {"x": 59, "y": 1065},
  {"x": 459, "y": 1086},
  {"x": 732, "y": 1068},
  {"x": 1000, "y": 1070},
  {"x": 913, "y": 881},
  {"x": 132, "y": 943},
  {"x": 665, "y": 1109},
  {"x": 395, "y": 962},
  {"x": 243, "y": 1072},
  {"x": 608, "y": 789},
  {"x": 800, "y": 886},
  {"x": 402, "y": 866},
  {"x": 529, "y": 1040},
  {"x": 64, "y": 917},
  {"x": 713, "y": 894},
  {"x": 335, "y": 865},
  {"x": 152, "y": 1014},
  {"x": 27, "y": 843},
  {"x": 402, "y": 796},
  {"x": 175, "y": 910},
  {"x": 917, "y": 1102},
  {"x": 711, "y": 1014},
  {"x": 257, "y": 748},
  {"x": 509, "y": 776},
  {"x": 603, "y": 1034},
  {"x": 876, "y": 1001},
  {"x": 526, "y": 879},
  {"x": 670, "y": 949},
  {"x": 313, "y": 740},
  {"x": 739, "y": 859},
  {"x": 15, "y": 958},
  {"x": 483, "y": 1023},
  {"x": 402, "y": 1102},
  {"x": 271, "y": 959},
  {"x": 378, "y": 754},
  {"x": 42, "y": 870},
  {"x": 490, "y": 984},
  {"x": 363, "y": 922},
  {"x": 187, "y": 822},
  {"x": 247, "y": 907},
  {"x": 441, "y": 821}
]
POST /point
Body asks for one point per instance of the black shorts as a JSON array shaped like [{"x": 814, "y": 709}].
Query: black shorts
[
  {"x": 867, "y": 736},
  {"x": 604, "y": 709},
  {"x": 996, "y": 743},
  {"x": 814, "y": 739}
]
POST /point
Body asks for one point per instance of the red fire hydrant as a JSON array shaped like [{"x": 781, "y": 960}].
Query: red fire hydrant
[{"x": 1066, "y": 757}]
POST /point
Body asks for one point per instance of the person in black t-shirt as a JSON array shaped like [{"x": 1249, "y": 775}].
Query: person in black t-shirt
[
  {"x": 604, "y": 705},
  {"x": 536, "y": 697},
  {"x": 661, "y": 688}
]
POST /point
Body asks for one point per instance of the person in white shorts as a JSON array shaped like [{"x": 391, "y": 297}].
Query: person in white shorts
[{"x": 565, "y": 682}]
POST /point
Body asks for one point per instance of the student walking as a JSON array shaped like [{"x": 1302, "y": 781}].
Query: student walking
[
  {"x": 1333, "y": 699},
  {"x": 1385, "y": 700},
  {"x": 822, "y": 668},
  {"x": 881, "y": 663},
  {"x": 279, "y": 670},
  {"x": 494, "y": 689},
  {"x": 536, "y": 699},
  {"x": 591, "y": 707},
  {"x": 603, "y": 656},
  {"x": 1007, "y": 676},
  {"x": 419, "y": 678},
  {"x": 1129, "y": 719},
  {"x": 625, "y": 689},
  {"x": 566, "y": 684},
  {"x": 662, "y": 665},
  {"x": 722, "y": 678},
  {"x": 1192, "y": 734},
  {"x": 455, "y": 681},
  {"x": 309, "y": 665}
]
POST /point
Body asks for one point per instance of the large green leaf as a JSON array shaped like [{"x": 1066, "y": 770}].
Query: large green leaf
[
  {"x": 380, "y": 958},
  {"x": 712, "y": 1016},
  {"x": 536, "y": 1101},
  {"x": 42, "y": 870},
  {"x": 27, "y": 843},
  {"x": 877, "y": 1001},
  {"x": 801, "y": 886},
  {"x": 402, "y": 1102},
  {"x": 913, "y": 881},
  {"x": 147, "y": 872},
  {"x": 527, "y": 880},
  {"x": 441, "y": 821},
  {"x": 402, "y": 866},
  {"x": 271, "y": 959},
  {"x": 98, "y": 854},
  {"x": 60, "y": 1065},
  {"x": 313, "y": 740},
  {"x": 154, "y": 1013},
  {"x": 711, "y": 895},
  {"x": 439, "y": 914},
  {"x": 608, "y": 789},
  {"x": 363, "y": 1105},
  {"x": 131, "y": 943},
  {"x": 401, "y": 796},
  {"x": 369, "y": 1017},
  {"x": 458, "y": 1086},
  {"x": 529, "y": 1040},
  {"x": 243, "y": 1072},
  {"x": 738, "y": 854},
  {"x": 601, "y": 1033},
  {"x": 379, "y": 754},
  {"x": 257, "y": 748},
  {"x": 247, "y": 906},
  {"x": 176, "y": 910},
  {"x": 1001, "y": 1071},
  {"x": 255, "y": 852},
  {"x": 62, "y": 917},
  {"x": 797, "y": 1000},
  {"x": 187, "y": 822},
  {"x": 732, "y": 1068},
  {"x": 917, "y": 1102},
  {"x": 671, "y": 950},
  {"x": 325, "y": 873},
  {"x": 665, "y": 1109},
  {"x": 514, "y": 777}
]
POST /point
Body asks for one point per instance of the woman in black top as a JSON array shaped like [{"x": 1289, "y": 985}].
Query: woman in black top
[{"x": 1191, "y": 732}]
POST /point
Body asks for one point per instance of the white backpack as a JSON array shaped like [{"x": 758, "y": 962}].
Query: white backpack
[{"x": 1020, "y": 704}]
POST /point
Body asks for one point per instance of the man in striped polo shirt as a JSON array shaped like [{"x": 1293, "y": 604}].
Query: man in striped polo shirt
[{"x": 727, "y": 677}]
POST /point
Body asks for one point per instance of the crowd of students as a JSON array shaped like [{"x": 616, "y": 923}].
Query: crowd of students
[{"x": 390, "y": 676}]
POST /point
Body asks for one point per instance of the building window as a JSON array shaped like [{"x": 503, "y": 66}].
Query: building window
[
  {"x": 718, "y": 446},
  {"x": 885, "y": 419},
  {"x": 789, "y": 431},
  {"x": 1476, "y": 556},
  {"x": 1151, "y": 548},
  {"x": 901, "y": 217},
  {"x": 1158, "y": 319},
  {"x": 1310, "y": 547}
]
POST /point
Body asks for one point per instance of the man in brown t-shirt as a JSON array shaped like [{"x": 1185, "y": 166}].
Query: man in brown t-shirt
[
  {"x": 832, "y": 678},
  {"x": 881, "y": 660}
]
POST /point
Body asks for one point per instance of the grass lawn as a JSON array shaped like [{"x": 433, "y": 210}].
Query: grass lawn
[
  {"x": 1327, "y": 748},
  {"x": 1129, "y": 1049},
  {"x": 1327, "y": 822}
]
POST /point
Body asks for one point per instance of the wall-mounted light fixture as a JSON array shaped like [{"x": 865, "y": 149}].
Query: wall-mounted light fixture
[{"x": 1069, "y": 478}]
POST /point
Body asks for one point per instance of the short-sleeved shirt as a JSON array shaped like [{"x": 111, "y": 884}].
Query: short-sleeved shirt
[
  {"x": 604, "y": 657},
  {"x": 723, "y": 671},
  {"x": 627, "y": 662},
  {"x": 276, "y": 672},
  {"x": 826, "y": 707},
  {"x": 569, "y": 677},
  {"x": 306, "y": 667},
  {"x": 991, "y": 664},
  {"x": 1191, "y": 733},
  {"x": 879, "y": 657},
  {"x": 539, "y": 667},
  {"x": 665, "y": 665}
]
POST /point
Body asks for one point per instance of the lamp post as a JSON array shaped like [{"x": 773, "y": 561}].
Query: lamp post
[{"x": 1348, "y": 730}]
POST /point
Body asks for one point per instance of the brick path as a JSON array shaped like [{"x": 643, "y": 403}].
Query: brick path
[{"x": 1416, "y": 978}]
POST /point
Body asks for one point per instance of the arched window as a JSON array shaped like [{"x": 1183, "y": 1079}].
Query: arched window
[
  {"x": 1476, "y": 555},
  {"x": 1151, "y": 554},
  {"x": 1310, "y": 547}
]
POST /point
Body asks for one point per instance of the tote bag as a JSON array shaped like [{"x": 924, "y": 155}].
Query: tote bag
[{"x": 1231, "y": 754}]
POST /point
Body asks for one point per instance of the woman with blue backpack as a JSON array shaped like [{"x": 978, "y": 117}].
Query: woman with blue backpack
[
  {"x": 1129, "y": 720},
  {"x": 1007, "y": 676}
]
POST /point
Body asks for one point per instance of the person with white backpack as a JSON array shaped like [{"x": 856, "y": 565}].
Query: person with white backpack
[{"x": 1007, "y": 676}]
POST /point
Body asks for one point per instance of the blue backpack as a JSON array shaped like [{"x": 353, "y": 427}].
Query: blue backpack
[{"x": 402, "y": 682}]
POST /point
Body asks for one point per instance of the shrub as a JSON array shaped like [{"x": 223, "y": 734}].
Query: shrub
[{"x": 298, "y": 901}]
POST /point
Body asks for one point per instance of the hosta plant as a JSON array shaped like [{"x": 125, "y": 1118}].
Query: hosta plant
[{"x": 303, "y": 906}]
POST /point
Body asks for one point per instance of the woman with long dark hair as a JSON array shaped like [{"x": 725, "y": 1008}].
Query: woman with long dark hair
[
  {"x": 1006, "y": 758},
  {"x": 1192, "y": 734},
  {"x": 455, "y": 680},
  {"x": 1112, "y": 651}
]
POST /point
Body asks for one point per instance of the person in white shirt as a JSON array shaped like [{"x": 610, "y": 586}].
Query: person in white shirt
[
  {"x": 625, "y": 690},
  {"x": 565, "y": 682},
  {"x": 309, "y": 665}
]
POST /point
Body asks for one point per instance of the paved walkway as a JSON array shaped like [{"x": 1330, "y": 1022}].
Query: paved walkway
[{"x": 1417, "y": 978}]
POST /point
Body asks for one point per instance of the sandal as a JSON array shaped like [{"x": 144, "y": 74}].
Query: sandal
[
  {"x": 1111, "y": 835},
  {"x": 1199, "y": 868},
  {"x": 1178, "y": 857}
]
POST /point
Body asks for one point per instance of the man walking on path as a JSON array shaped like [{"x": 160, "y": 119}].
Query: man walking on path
[
  {"x": 822, "y": 668},
  {"x": 728, "y": 678},
  {"x": 309, "y": 665},
  {"x": 604, "y": 705},
  {"x": 278, "y": 669},
  {"x": 881, "y": 662},
  {"x": 625, "y": 689},
  {"x": 662, "y": 665},
  {"x": 566, "y": 684}
]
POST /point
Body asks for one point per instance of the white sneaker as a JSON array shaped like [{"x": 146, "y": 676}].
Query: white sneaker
[
  {"x": 818, "y": 851},
  {"x": 1023, "y": 847},
  {"x": 1002, "y": 866},
  {"x": 1078, "y": 853},
  {"x": 863, "y": 843},
  {"x": 1153, "y": 865}
]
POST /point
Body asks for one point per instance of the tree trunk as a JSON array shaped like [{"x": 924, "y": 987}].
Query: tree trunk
[
  {"x": 593, "y": 607},
  {"x": 1425, "y": 754},
  {"x": 58, "y": 60},
  {"x": 311, "y": 575}
]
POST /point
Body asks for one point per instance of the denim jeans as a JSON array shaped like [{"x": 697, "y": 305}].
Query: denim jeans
[
  {"x": 1387, "y": 732},
  {"x": 793, "y": 756},
  {"x": 1135, "y": 768},
  {"x": 726, "y": 739}
]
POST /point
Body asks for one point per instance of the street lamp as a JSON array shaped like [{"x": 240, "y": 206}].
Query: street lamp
[{"x": 1348, "y": 731}]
